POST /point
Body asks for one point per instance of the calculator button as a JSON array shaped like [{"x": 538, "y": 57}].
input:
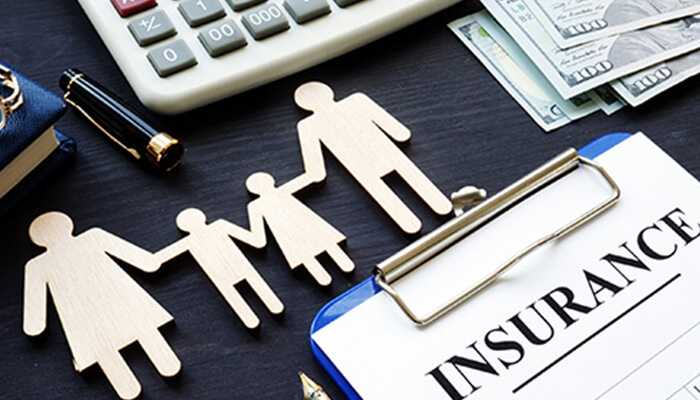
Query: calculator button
[
  {"x": 172, "y": 58},
  {"x": 198, "y": 12},
  {"x": 265, "y": 21},
  {"x": 152, "y": 28},
  {"x": 222, "y": 38},
  {"x": 345, "y": 3},
  {"x": 239, "y": 5},
  {"x": 306, "y": 10},
  {"x": 127, "y": 8}
]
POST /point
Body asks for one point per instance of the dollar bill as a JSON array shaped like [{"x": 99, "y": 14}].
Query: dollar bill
[
  {"x": 638, "y": 88},
  {"x": 608, "y": 100},
  {"x": 517, "y": 74},
  {"x": 582, "y": 68},
  {"x": 574, "y": 22}
]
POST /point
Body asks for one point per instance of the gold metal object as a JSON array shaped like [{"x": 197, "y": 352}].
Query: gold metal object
[
  {"x": 312, "y": 390},
  {"x": 160, "y": 146},
  {"x": 14, "y": 101},
  {"x": 412, "y": 257},
  {"x": 72, "y": 81}
]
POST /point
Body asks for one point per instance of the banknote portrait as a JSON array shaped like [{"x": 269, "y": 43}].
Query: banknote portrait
[
  {"x": 623, "y": 11},
  {"x": 645, "y": 43}
]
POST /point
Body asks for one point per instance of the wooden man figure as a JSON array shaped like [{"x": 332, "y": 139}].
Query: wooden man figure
[
  {"x": 301, "y": 234},
  {"x": 102, "y": 310},
  {"x": 359, "y": 133},
  {"x": 223, "y": 261}
]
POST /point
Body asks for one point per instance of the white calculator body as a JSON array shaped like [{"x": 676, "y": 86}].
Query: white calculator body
[{"x": 182, "y": 54}]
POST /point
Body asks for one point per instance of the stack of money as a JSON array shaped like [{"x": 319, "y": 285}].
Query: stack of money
[{"x": 564, "y": 59}]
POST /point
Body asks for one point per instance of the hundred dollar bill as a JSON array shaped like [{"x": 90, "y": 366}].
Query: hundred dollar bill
[
  {"x": 573, "y": 22},
  {"x": 579, "y": 69},
  {"x": 608, "y": 100},
  {"x": 638, "y": 88},
  {"x": 516, "y": 73}
]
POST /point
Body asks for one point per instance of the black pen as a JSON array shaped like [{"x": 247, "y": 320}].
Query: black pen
[{"x": 121, "y": 125}]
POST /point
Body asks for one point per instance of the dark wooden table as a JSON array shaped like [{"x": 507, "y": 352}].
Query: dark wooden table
[{"x": 467, "y": 129}]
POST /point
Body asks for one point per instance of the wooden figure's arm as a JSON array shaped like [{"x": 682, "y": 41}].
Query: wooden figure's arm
[
  {"x": 299, "y": 183},
  {"x": 174, "y": 250},
  {"x": 311, "y": 152},
  {"x": 35, "y": 296},
  {"x": 255, "y": 237},
  {"x": 258, "y": 236},
  {"x": 393, "y": 127},
  {"x": 124, "y": 250}
]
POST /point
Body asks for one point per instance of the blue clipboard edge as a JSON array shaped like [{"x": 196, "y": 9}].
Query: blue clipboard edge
[{"x": 366, "y": 289}]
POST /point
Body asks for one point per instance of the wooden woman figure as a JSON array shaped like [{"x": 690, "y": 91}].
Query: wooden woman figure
[
  {"x": 102, "y": 310},
  {"x": 223, "y": 262},
  {"x": 301, "y": 234}
]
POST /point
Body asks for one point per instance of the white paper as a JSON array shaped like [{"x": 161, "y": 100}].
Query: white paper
[{"x": 648, "y": 340}]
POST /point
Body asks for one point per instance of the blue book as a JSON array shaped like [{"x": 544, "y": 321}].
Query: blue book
[{"x": 31, "y": 150}]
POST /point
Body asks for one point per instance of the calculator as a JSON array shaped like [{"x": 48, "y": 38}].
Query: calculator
[{"x": 183, "y": 54}]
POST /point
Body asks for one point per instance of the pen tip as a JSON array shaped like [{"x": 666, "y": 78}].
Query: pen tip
[
  {"x": 310, "y": 387},
  {"x": 305, "y": 380}
]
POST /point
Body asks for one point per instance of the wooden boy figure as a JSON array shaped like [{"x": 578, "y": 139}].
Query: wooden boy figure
[
  {"x": 102, "y": 310},
  {"x": 223, "y": 262},
  {"x": 359, "y": 133}
]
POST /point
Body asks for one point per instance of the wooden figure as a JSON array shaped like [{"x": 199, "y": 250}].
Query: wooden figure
[
  {"x": 223, "y": 261},
  {"x": 359, "y": 133},
  {"x": 301, "y": 234},
  {"x": 102, "y": 310}
]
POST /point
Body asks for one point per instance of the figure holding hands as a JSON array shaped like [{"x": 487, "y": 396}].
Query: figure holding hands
[
  {"x": 361, "y": 135},
  {"x": 101, "y": 308},
  {"x": 301, "y": 234},
  {"x": 223, "y": 262}
]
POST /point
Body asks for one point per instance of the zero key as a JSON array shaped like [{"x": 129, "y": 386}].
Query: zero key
[
  {"x": 127, "y": 8},
  {"x": 172, "y": 58}
]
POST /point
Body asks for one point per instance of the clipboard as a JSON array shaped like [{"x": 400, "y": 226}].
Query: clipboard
[{"x": 372, "y": 286}]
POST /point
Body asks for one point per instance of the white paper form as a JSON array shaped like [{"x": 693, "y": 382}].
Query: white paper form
[{"x": 609, "y": 312}]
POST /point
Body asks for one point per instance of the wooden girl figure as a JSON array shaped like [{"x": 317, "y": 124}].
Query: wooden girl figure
[
  {"x": 102, "y": 310},
  {"x": 301, "y": 234},
  {"x": 361, "y": 135},
  {"x": 223, "y": 261}
]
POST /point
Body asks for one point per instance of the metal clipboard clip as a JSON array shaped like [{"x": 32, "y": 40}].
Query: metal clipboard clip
[{"x": 414, "y": 256}]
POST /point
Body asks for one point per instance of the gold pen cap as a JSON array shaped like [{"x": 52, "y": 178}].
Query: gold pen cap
[{"x": 165, "y": 151}]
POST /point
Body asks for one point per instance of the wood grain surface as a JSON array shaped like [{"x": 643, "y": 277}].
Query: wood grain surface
[{"x": 466, "y": 130}]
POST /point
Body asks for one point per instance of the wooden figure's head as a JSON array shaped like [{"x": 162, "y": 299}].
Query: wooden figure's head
[
  {"x": 260, "y": 183},
  {"x": 313, "y": 96},
  {"x": 191, "y": 220},
  {"x": 50, "y": 229}
]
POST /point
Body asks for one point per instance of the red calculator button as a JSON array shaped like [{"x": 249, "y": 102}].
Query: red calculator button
[{"x": 127, "y": 8}]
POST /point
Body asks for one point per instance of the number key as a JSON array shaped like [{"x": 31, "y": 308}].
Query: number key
[
  {"x": 265, "y": 21},
  {"x": 198, "y": 12},
  {"x": 222, "y": 38},
  {"x": 172, "y": 58}
]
